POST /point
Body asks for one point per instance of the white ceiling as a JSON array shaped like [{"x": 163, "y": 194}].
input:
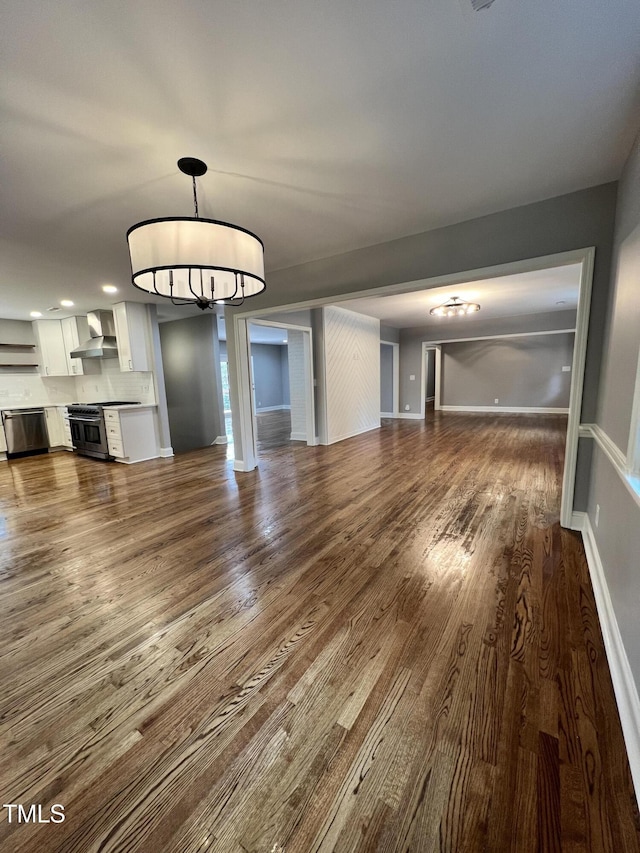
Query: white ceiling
[
  {"x": 326, "y": 126},
  {"x": 535, "y": 292}
]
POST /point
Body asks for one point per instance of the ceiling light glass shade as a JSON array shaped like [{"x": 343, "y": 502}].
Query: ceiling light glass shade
[
  {"x": 196, "y": 260},
  {"x": 455, "y": 307}
]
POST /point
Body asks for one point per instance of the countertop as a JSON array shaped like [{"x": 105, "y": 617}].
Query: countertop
[{"x": 131, "y": 406}]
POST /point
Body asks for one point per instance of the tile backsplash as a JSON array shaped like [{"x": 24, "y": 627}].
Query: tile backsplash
[
  {"x": 29, "y": 389},
  {"x": 111, "y": 384}
]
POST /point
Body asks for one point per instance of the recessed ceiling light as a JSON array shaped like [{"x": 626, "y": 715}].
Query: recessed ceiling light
[
  {"x": 67, "y": 303},
  {"x": 109, "y": 288},
  {"x": 36, "y": 314}
]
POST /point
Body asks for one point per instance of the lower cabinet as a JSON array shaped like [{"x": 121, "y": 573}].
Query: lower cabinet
[
  {"x": 54, "y": 426},
  {"x": 66, "y": 428},
  {"x": 132, "y": 434},
  {"x": 58, "y": 427}
]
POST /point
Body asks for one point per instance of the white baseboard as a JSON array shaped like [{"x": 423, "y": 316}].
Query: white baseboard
[
  {"x": 621, "y": 675},
  {"x": 220, "y": 439},
  {"x": 387, "y": 415},
  {"x": 241, "y": 465},
  {"x": 525, "y": 410},
  {"x": 166, "y": 452},
  {"x": 409, "y": 416},
  {"x": 298, "y": 436},
  {"x": 273, "y": 409}
]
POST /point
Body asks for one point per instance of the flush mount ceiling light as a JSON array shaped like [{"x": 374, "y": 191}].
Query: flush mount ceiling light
[
  {"x": 455, "y": 307},
  {"x": 194, "y": 260}
]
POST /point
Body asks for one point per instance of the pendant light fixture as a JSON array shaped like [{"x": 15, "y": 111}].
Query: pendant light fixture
[
  {"x": 455, "y": 307},
  {"x": 195, "y": 260}
]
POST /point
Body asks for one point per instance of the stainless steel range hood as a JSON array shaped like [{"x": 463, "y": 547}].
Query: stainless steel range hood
[{"x": 102, "y": 343}]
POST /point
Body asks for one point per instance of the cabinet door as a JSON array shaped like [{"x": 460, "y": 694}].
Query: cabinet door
[
  {"x": 71, "y": 334},
  {"x": 54, "y": 426},
  {"x": 67, "y": 440},
  {"x": 132, "y": 333},
  {"x": 53, "y": 359}
]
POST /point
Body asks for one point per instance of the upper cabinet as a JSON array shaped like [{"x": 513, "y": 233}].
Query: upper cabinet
[
  {"x": 56, "y": 339},
  {"x": 133, "y": 335},
  {"x": 53, "y": 355},
  {"x": 75, "y": 330}
]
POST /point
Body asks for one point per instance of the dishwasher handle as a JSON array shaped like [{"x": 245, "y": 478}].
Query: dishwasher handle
[{"x": 13, "y": 414}]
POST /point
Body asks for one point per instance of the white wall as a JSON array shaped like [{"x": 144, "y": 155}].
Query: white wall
[
  {"x": 351, "y": 373},
  {"x": 297, "y": 385}
]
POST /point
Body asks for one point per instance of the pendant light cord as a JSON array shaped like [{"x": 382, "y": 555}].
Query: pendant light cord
[{"x": 195, "y": 195}]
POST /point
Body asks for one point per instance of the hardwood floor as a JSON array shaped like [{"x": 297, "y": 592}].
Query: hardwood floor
[
  {"x": 274, "y": 430},
  {"x": 384, "y": 645}
]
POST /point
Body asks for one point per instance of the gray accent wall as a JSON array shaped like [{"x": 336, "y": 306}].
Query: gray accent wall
[
  {"x": 270, "y": 380},
  {"x": 572, "y": 221},
  {"x": 411, "y": 342},
  {"x": 191, "y": 360},
  {"x": 519, "y": 372}
]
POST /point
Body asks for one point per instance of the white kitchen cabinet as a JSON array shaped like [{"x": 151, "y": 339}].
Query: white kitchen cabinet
[
  {"x": 67, "y": 440},
  {"x": 133, "y": 336},
  {"x": 132, "y": 433},
  {"x": 75, "y": 331},
  {"x": 54, "y": 426},
  {"x": 53, "y": 357}
]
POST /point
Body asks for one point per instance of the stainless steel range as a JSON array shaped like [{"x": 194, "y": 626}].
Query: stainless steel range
[{"x": 88, "y": 429}]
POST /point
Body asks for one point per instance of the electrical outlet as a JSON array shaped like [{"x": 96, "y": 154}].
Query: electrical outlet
[
  {"x": 407, "y": 408},
  {"x": 496, "y": 401},
  {"x": 597, "y": 518},
  {"x": 412, "y": 377},
  {"x": 566, "y": 368}
]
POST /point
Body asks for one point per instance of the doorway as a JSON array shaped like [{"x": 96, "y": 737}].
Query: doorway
[
  {"x": 431, "y": 380},
  {"x": 245, "y": 451},
  {"x": 282, "y": 389}
]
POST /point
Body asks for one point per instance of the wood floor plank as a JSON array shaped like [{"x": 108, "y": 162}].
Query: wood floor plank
[{"x": 388, "y": 644}]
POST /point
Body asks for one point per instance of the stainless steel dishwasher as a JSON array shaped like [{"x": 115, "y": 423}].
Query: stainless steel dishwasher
[{"x": 25, "y": 431}]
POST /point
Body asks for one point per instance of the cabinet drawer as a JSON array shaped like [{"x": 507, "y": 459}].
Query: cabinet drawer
[
  {"x": 115, "y": 447},
  {"x": 110, "y": 416},
  {"x": 113, "y": 431}
]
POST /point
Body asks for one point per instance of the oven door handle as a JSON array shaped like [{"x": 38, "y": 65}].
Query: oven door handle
[{"x": 85, "y": 420}]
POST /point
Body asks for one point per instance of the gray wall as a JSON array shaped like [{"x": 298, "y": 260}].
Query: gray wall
[
  {"x": 525, "y": 372},
  {"x": 386, "y": 378},
  {"x": 389, "y": 333},
  {"x": 191, "y": 358},
  {"x": 411, "y": 342},
  {"x": 618, "y": 532},
  {"x": 572, "y": 221},
  {"x": 16, "y": 332},
  {"x": 271, "y": 380}
]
